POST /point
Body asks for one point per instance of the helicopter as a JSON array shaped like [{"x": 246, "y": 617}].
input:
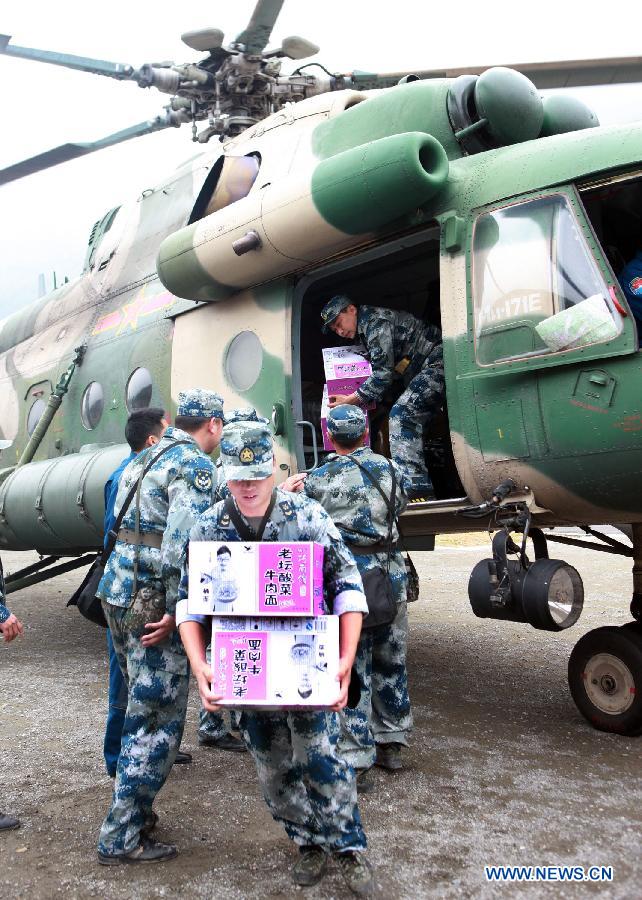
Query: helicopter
[{"x": 461, "y": 196}]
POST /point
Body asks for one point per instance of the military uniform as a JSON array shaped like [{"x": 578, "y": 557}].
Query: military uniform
[
  {"x": 7, "y": 823},
  {"x": 4, "y": 611},
  {"x": 173, "y": 493},
  {"x": 630, "y": 279},
  {"x": 383, "y": 714},
  {"x": 400, "y": 347},
  {"x": 211, "y": 726},
  {"x": 307, "y": 785}
]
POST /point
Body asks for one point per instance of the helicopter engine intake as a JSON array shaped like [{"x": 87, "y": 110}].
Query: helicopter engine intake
[{"x": 302, "y": 219}]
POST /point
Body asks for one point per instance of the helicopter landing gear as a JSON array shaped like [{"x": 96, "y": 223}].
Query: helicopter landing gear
[{"x": 605, "y": 678}]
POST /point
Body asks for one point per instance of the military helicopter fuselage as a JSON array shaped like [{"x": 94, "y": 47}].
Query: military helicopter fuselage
[{"x": 216, "y": 278}]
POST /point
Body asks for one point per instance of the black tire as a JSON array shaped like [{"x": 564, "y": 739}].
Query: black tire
[{"x": 605, "y": 679}]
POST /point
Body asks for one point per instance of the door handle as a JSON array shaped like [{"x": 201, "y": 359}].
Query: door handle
[{"x": 315, "y": 449}]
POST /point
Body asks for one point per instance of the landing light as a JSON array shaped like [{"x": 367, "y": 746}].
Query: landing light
[{"x": 548, "y": 593}]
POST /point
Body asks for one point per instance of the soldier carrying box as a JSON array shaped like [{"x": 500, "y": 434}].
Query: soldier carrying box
[{"x": 307, "y": 785}]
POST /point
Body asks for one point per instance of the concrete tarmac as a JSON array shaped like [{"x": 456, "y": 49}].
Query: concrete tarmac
[{"x": 503, "y": 770}]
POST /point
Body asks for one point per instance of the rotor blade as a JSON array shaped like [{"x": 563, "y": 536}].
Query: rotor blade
[
  {"x": 66, "y": 152},
  {"x": 259, "y": 28},
  {"x": 119, "y": 71},
  {"x": 563, "y": 73}
]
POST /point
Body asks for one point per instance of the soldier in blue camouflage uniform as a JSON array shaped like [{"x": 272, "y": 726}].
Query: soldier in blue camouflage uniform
[
  {"x": 307, "y": 785},
  {"x": 212, "y": 730},
  {"x": 377, "y": 729},
  {"x": 10, "y": 625},
  {"x": 240, "y": 414},
  {"x": 402, "y": 348},
  {"x": 10, "y": 628},
  {"x": 173, "y": 493}
]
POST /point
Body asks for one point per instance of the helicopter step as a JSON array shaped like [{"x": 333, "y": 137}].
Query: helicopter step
[{"x": 605, "y": 678}]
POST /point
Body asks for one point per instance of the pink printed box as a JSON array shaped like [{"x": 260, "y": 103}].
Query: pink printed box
[
  {"x": 275, "y": 663},
  {"x": 346, "y": 369},
  {"x": 324, "y": 422},
  {"x": 264, "y": 578}
]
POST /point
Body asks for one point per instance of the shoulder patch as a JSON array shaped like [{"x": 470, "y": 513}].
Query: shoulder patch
[
  {"x": 203, "y": 480},
  {"x": 635, "y": 286},
  {"x": 287, "y": 509},
  {"x": 225, "y": 521}
]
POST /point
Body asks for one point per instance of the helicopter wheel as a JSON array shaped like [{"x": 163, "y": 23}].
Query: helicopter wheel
[{"x": 605, "y": 678}]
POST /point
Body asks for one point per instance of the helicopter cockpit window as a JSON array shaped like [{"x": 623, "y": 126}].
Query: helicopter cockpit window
[
  {"x": 92, "y": 405},
  {"x": 537, "y": 288},
  {"x": 139, "y": 390},
  {"x": 237, "y": 176},
  {"x": 37, "y": 408}
]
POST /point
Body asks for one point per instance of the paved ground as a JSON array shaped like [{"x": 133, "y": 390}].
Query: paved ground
[{"x": 502, "y": 770}]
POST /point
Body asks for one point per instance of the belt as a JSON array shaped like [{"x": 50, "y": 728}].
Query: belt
[
  {"x": 145, "y": 538},
  {"x": 379, "y": 547}
]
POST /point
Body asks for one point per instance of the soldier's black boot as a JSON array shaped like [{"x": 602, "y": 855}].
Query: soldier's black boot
[
  {"x": 148, "y": 851},
  {"x": 389, "y": 757},
  {"x": 225, "y": 742},
  {"x": 310, "y": 867},
  {"x": 356, "y": 872},
  {"x": 182, "y": 758},
  {"x": 7, "y": 823}
]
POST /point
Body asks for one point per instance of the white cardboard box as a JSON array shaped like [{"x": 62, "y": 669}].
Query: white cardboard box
[
  {"x": 346, "y": 368},
  {"x": 266, "y": 578},
  {"x": 276, "y": 663}
]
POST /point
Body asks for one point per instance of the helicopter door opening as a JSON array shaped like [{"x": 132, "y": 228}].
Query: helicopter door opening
[
  {"x": 614, "y": 207},
  {"x": 403, "y": 275}
]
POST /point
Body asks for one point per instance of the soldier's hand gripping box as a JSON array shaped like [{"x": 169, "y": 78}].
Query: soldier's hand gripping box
[
  {"x": 275, "y": 663},
  {"x": 324, "y": 422},
  {"x": 346, "y": 368},
  {"x": 264, "y": 578}
]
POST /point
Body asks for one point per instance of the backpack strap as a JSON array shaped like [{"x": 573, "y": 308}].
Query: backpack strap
[
  {"x": 389, "y": 501},
  {"x": 113, "y": 534},
  {"x": 245, "y": 531}
]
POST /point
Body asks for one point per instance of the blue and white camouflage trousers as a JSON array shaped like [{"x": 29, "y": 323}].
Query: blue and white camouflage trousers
[
  {"x": 423, "y": 397},
  {"x": 307, "y": 785},
  {"x": 383, "y": 714},
  {"x": 157, "y": 687}
]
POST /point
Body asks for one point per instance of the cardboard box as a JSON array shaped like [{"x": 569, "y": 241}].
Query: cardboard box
[
  {"x": 276, "y": 663},
  {"x": 324, "y": 422},
  {"x": 265, "y": 578},
  {"x": 346, "y": 368}
]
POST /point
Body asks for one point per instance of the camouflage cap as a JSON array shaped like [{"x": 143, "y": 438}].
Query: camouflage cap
[
  {"x": 347, "y": 421},
  {"x": 244, "y": 414},
  {"x": 200, "y": 403},
  {"x": 331, "y": 310},
  {"x": 246, "y": 451}
]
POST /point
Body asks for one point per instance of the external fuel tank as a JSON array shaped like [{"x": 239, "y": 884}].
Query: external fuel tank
[{"x": 57, "y": 506}]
